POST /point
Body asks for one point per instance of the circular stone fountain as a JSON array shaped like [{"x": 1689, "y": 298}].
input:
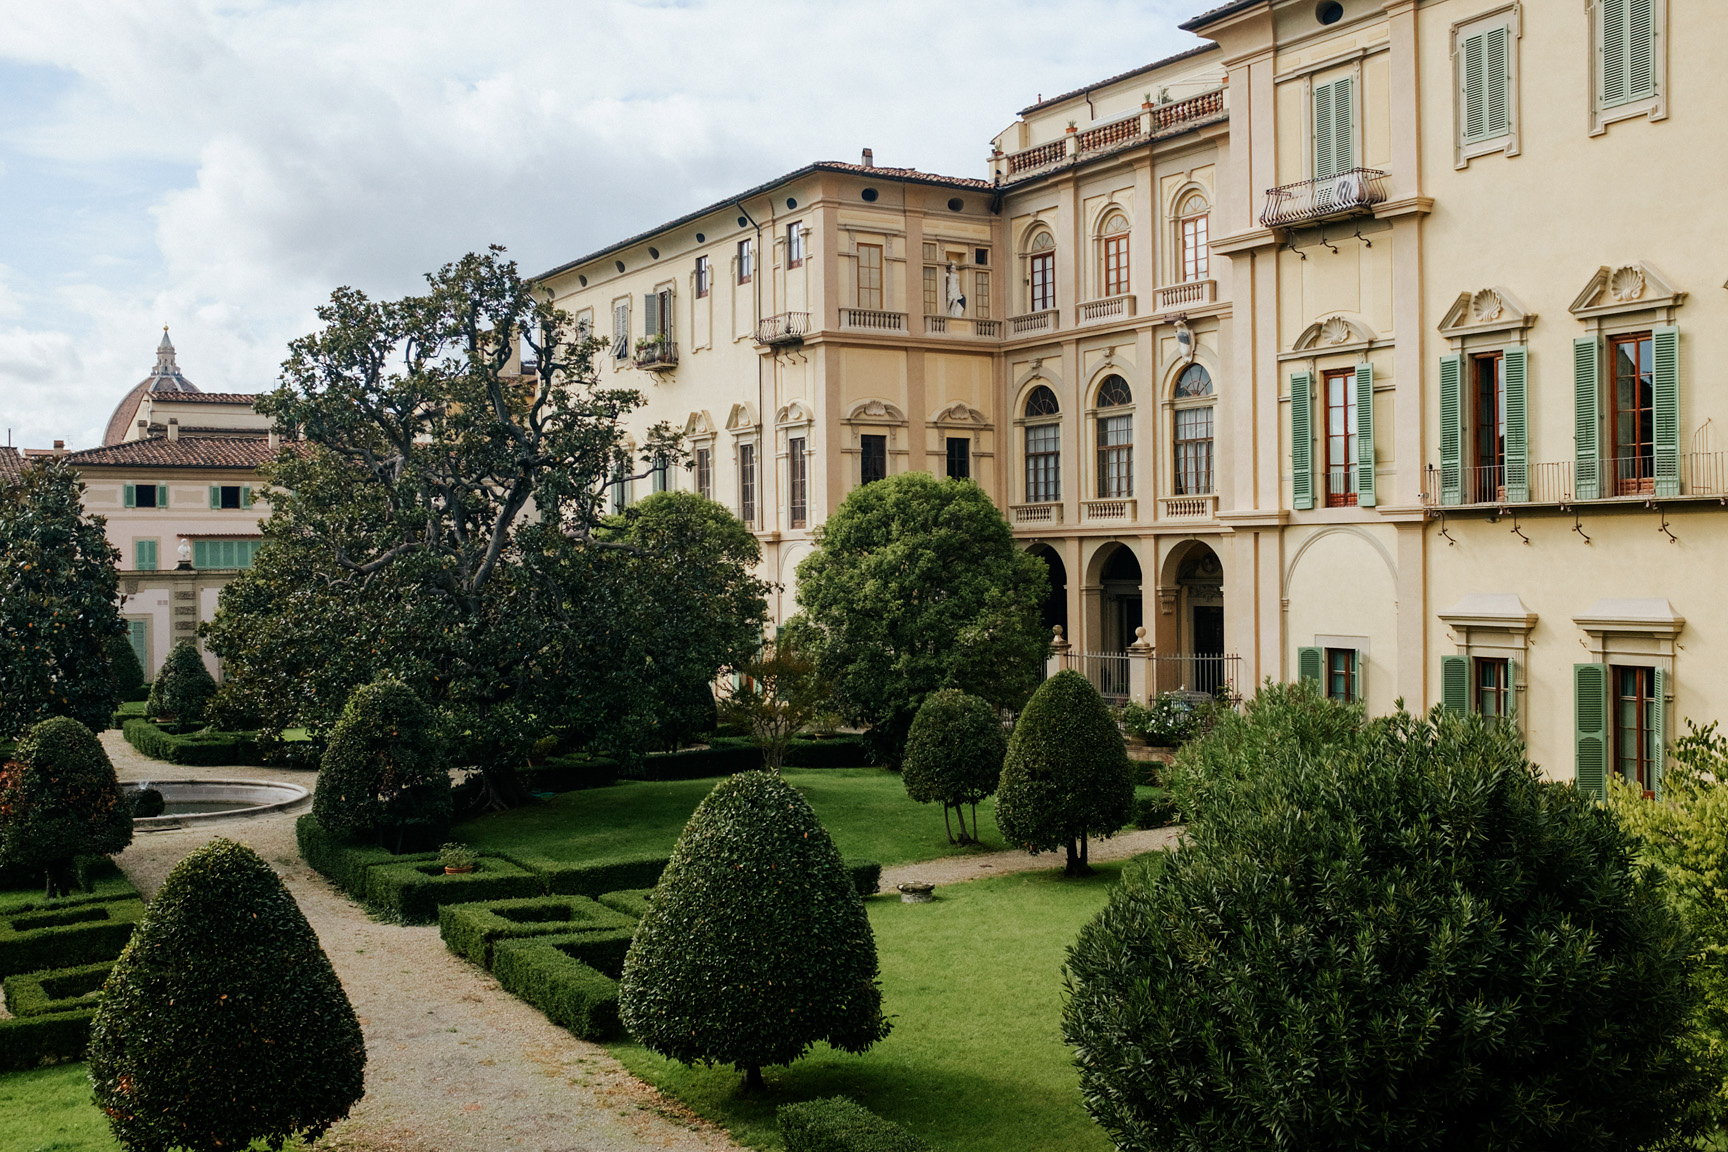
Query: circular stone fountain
[{"x": 187, "y": 802}]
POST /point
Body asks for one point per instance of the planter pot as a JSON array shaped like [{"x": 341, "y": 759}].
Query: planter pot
[
  {"x": 449, "y": 871},
  {"x": 917, "y": 892}
]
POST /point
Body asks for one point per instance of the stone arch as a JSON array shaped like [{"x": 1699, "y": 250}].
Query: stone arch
[
  {"x": 1055, "y": 610},
  {"x": 1335, "y": 530}
]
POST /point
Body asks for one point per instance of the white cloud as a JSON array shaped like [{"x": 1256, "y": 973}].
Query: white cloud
[{"x": 270, "y": 151}]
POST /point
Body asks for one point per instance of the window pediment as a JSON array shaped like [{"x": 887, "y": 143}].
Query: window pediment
[
  {"x": 960, "y": 412},
  {"x": 796, "y": 412},
  {"x": 1334, "y": 332},
  {"x": 742, "y": 418},
  {"x": 1490, "y": 611},
  {"x": 1649, "y": 617},
  {"x": 699, "y": 425},
  {"x": 1485, "y": 310},
  {"x": 875, "y": 412},
  {"x": 1636, "y": 287}
]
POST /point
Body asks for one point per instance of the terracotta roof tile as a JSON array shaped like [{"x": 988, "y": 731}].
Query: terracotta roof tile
[
  {"x": 187, "y": 452},
  {"x": 11, "y": 463},
  {"x": 207, "y": 397}
]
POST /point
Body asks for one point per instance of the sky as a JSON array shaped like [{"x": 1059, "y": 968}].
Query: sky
[{"x": 220, "y": 167}]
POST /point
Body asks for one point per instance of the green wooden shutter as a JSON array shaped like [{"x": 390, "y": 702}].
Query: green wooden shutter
[
  {"x": 1659, "y": 733},
  {"x": 1365, "y": 435},
  {"x": 1586, "y": 400},
  {"x": 215, "y": 496},
  {"x": 246, "y": 496},
  {"x": 1301, "y": 441},
  {"x": 1359, "y": 675},
  {"x": 1343, "y": 120},
  {"x": 201, "y": 557},
  {"x": 1486, "y": 85},
  {"x": 1613, "y": 52},
  {"x": 1590, "y": 724},
  {"x": 1511, "y": 688},
  {"x": 144, "y": 555},
  {"x": 138, "y": 632},
  {"x": 1517, "y": 426},
  {"x": 651, "y": 314},
  {"x": 129, "y": 495},
  {"x": 1640, "y": 49},
  {"x": 1474, "y": 97},
  {"x": 1451, "y": 430},
  {"x": 1308, "y": 664},
  {"x": 1455, "y": 684},
  {"x": 161, "y": 495},
  {"x": 1665, "y": 343},
  {"x": 1324, "y": 165}
]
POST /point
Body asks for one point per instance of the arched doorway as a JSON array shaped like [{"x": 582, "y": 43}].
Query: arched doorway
[
  {"x": 1192, "y": 625},
  {"x": 1056, "y": 603},
  {"x": 1119, "y": 582}
]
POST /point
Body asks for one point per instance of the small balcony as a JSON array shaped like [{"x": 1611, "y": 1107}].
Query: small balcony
[
  {"x": 873, "y": 320},
  {"x": 1094, "y": 511},
  {"x": 783, "y": 329},
  {"x": 1188, "y": 507},
  {"x": 1689, "y": 475},
  {"x": 1310, "y": 201},
  {"x": 1153, "y": 120},
  {"x": 1036, "y": 513},
  {"x": 962, "y": 326},
  {"x": 1109, "y": 308},
  {"x": 1044, "y": 321},
  {"x": 1189, "y": 294},
  {"x": 656, "y": 354}
]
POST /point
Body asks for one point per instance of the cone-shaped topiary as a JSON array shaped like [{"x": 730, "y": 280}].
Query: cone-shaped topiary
[
  {"x": 123, "y": 660},
  {"x": 383, "y": 776},
  {"x": 755, "y": 944},
  {"x": 59, "y": 798},
  {"x": 954, "y": 755},
  {"x": 182, "y": 688},
  {"x": 1066, "y": 775},
  {"x": 223, "y": 1021}
]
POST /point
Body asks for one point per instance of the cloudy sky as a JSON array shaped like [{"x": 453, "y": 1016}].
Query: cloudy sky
[{"x": 221, "y": 166}]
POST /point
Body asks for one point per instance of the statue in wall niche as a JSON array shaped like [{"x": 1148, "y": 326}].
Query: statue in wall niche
[{"x": 955, "y": 295}]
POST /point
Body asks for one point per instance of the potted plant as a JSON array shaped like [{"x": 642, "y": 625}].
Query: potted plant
[{"x": 458, "y": 859}]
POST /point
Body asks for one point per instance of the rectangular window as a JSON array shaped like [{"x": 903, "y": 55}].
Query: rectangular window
[
  {"x": 1634, "y": 383},
  {"x": 1194, "y": 451},
  {"x": 959, "y": 458},
  {"x": 872, "y": 459},
  {"x": 747, "y": 483},
  {"x": 1340, "y": 437},
  {"x": 1635, "y": 725},
  {"x": 981, "y": 295},
  {"x": 585, "y": 324},
  {"x": 1341, "y": 674},
  {"x": 138, "y": 632},
  {"x": 1195, "y": 262},
  {"x": 1488, "y": 379},
  {"x": 1628, "y": 51},
  {"x": 1043, "y": 464},
  {"x": 657, "y": 314},
  {"x": 795, "y": 244},
  {"x": 703, "y": 276},
  {"x": 224, "y": 553},
  {"x": 144, "y": 555},
  {"x": 230, "y": 496},
  {"x": 619, "y": 490},
  {"x": 870, "y": 276},
  {"x": 621, "y": 330},
  {"x": 797, "y": 482},
  {"x": 1493, "y": 686},
  {"x": 981, "y": 257},
  {"x": 1116, "y": 265},
  {"x": 1043, "y": 277},
  {"x": 705, "y": 472},
  {"x": 1485, "y": 84},
  {"x": 746, "y": 262},
  {"x": 1115, "y": 457},
  {"x": 146, "y": 495},
  {"x": 660, "y": 476},
  {"x": 932, "y": 297}
]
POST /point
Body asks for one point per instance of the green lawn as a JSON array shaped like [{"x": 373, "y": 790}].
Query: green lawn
[
  {"x": 49, "y": 1110},
  {"x": 976, "y": 1061},
  {"x": 865, "y": 809}
]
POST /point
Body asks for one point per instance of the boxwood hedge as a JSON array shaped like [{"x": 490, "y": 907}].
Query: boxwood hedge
[
  {"x": 56, "y": 990},
  {"x": 208, "y": 748},
  {"x": 473, "y": 930},
  {"x": 633, "y": 902},
  {"x": 66, "y": 936},
  {"x": 413, "y": 891},
  {"x": 841, "y": 1125},
  {"x": 32, "y": 1041},
  {"x": 591, "y": 877},
  {"x": 545, "y": 971}
]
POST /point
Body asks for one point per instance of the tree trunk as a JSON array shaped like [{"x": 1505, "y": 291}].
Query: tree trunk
[
  {"x": 1077, "y": 865},
  {"x": 948, "y": 827},
  {"x": 61, "y": 879},
  {"x": 501, "y": 789},
  {"x": 754, "y": 1085}
]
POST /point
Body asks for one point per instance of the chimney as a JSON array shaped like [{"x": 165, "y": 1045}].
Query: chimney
[
  {"x": 869, "y": 160},
  {"x": 143, "y": 429},
  {"x": 173, "y": 427},
  {"x": 275, "y": 439},
  {"x": 59, "y": 447}
]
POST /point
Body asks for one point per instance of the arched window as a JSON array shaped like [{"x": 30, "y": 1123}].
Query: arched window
[
  {"x": 1115, "y": 440},
  {"x": 1193, "y": 453},
  {"x": 1115, "y": 254},
  {"x": 1043, "y": 447},
  {"x": 1191, "y": 227},
  {"x": 1041, "y": 273}
]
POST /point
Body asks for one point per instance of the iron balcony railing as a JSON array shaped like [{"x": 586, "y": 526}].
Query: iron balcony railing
[
  {"x": 659, "y": 355},
  {"x": 783, "y": 328},
  {"x": 1347, "y": 193},
  {"x": 1694, "y": 474},
  {"x": 1211, "y": 673}
]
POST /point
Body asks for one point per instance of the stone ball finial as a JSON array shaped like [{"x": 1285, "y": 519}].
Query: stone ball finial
[{"x": 1056, "y": 630}]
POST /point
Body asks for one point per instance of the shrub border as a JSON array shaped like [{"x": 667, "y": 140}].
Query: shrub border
[
  {"x": 839, "y": 1124},
  {"x": 474, "y": 930},
  {"x": 67, "y": 945},
  {"x": 572, "y": 994},
  {"x": 25, "y": 995},
  {"x": 34, "y": 1041}
]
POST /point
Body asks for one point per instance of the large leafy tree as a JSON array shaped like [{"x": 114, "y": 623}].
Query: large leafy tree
[
  {"x": 441, "y": 521},
  {"x": 917, "y": 585},
  {"x": 59, "y": 603}
]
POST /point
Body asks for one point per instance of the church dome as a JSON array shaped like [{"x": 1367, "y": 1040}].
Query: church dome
[{"x": 165, "y": 377}]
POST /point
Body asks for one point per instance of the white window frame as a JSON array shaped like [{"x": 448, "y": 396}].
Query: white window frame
[
  {"x": 621, "y": 328},
  {"x": 1511, "y": 17},
  {"x": 1653, "y": 106}
]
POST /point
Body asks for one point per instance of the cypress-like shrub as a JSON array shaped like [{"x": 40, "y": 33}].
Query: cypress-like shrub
[
  {"x": 384, "y": 778},
  {"x": 223, "y": 1021},
  {"x": 755, "y": 944},
  {"x": 1066, "y": 775},
  {"x": 123, "y": 661},
  {"x": 1398, "y": 937},
  {"x": 954, "y": 755},
  {"x": 183, "y": 687},
  {"x": 60, "y": 798}
]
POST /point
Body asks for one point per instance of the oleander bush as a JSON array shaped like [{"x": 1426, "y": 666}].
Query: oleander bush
[
  {"x": 182, "y": 689},
  {"x": 1066, "y": 775},
  {"x": 59, "y": 799},
  {"x": 953, "y": 755},
  {"x": 842, "y": 1125},
  {"x": 1393, "y": 934},
  {"x": 755, "y": 944},
  {"x": 384, "y": 778},
  {"x": 223, "y": 1021}
]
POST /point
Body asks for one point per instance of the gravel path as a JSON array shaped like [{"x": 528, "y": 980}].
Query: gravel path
[
  {"x": 454, "y": 1062},
  {"x": 954, "y": 869}
]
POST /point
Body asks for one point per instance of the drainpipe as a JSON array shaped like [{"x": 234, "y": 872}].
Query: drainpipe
[{"x": 763, "y": 490}]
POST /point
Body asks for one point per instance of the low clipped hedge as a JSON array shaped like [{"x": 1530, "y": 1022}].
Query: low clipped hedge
[
  {"x": 341, "y": 862},
  {"x": 547, "y": 973},
  {"x": 205, "y": 749},
  {"x": 32, "y": 1041},
  {"x": 56, "y": 990},
  {"x": 102, "y": 890},
  {"x": 412, "y": 891},
  {"x": 129, "y": 710},
  {"x": 718, "y": 759},
  {"x": 866, "y": 876},
  {"x": 841, "y": 1125},
  {"x": 66, "y": 936},
  {"x": 593, "y": 877},
  {"x": 633, "y": 902},
  {"x": 473, "y": 930},
  {"x": 571, "y": 772}
]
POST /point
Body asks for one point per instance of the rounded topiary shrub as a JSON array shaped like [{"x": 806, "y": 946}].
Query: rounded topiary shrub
[
  {"x": 755, "y": 944},
  {"x": 383, "y": 776},
  {"x": 223, "y": 1021},
  {"x": 183, "y": 688},
  {"x": 123, "y": 662},
  {"x": 60, "y": 799},
  {"x": 1388, "y": 935},
  {"x": 954, "y": 755},
  {"x": 1066, "y": 775}
]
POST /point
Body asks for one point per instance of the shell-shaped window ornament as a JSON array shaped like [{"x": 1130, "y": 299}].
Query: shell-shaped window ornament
[
  {"x": 1486, "y": 305},
  {"x": 1336, "y": 331},
  {"x": 1626, "y": 283}
]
